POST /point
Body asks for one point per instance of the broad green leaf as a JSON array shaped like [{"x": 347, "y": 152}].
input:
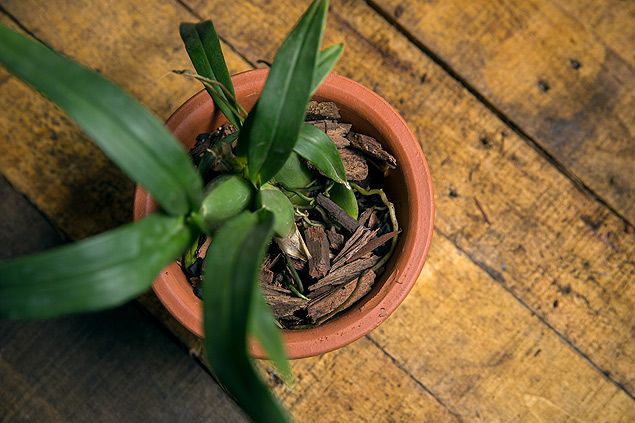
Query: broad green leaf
[
  {"x": 315, "y": 146},
  {"x": 274, "y": 200},
  {"x": 263, "y": 327},
  {"x": 203, "y": 46},
  {"x": 93, "y": 274},
  {"x": 225, "y": 197},
  {"x": 132, "y": 137},
  {"x": 345, "y": 198},
  {"x": 294, "y": 174},
  {"x": 326, "y": 62},
  {"x": 232, "y": 267},
  {"x": 273, "y": 125}
]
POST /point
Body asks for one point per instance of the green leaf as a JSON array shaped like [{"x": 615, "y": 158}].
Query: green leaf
[
  {"x": 294, "y": 174},
  {"x": 132, "y": 137},
  {"x": 225, "y": 197},
  {"x": 274, "y": 200},
  {"x": 326, "y": 62},
  {"x": 315, "y": 146},
  {"x": 203, "y": 46},
  {"x": 273, "y": 125},
  {"x": 345, "y": 198},
  {"x": 232, "y": 267},
  {"x": 93, "y": 274},
  {"x": 263, "y": 326}
]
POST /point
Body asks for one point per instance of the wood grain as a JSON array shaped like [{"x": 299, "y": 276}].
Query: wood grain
[
  {"x": 43, "y": 153},
  {"x": 547, "y": 276},
  {"x": 390, "y": 385},
  {"x": 76, "y": 368},
  {"x": 359, "y": 381},
  {"x": 561, "y": 70},
  {"x": 563, "y": 255},
  {"x": 489, "y": 358},
  {"x": 109, "y": 367}
]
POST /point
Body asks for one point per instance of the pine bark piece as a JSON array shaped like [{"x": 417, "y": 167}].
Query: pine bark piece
[
  {"x": 341, "y": 298},
  {"x": 345, "y": 256},
  {"x": 336, "y": 131},
  {"x": 365, "y": 285},
  {"x": 372, "y": 244},
  {"x": 363, "y": 218},
  {"x": 372, "y": 147},
  {"x": 274, "y": 289},
  {"x": 373, "y": 220},
  {"x": 325, "y": 110},
  {"x": 266, "y": 276},
  {"x": 361, "y": 230},
  {"x": 297, "y": 264},
  {"x": 318, "y": 245},
  {"x": 354, "y": 163},
  {"x": 319, "y": 293},
  {"x": 336, "y": 240},
  {"x": 202, "y": 251},
  {"x": 208, "y": 140},
  {"x": 346, "y": 273},
  {"x": 330, "y": 302},
  {"x": 284, "y": 305},
  {"x": 336, "y": 213}
]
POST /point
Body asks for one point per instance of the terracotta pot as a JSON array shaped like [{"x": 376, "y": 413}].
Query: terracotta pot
[{"x": 410, "y": 188}]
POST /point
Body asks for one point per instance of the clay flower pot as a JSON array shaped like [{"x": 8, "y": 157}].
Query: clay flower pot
[{"x": 410, "y": 188}]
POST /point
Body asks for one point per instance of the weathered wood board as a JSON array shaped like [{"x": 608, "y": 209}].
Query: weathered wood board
[
  {"x": 563, "y": 71},
  {"x": 524, "y": 309}
]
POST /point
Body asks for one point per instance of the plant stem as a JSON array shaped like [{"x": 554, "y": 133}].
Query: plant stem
[
  {"x": 294, "y": 273},
  {"x": 311, "y": 200},
  {"x": 305, "y": 217},
  {"x": 391, "y": 213},
  {"x": 236, "y": 107},
  {"x": 295, "y": 291}
]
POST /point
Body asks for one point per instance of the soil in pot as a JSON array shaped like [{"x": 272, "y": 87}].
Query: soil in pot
[{"x": 342, "y": 242}]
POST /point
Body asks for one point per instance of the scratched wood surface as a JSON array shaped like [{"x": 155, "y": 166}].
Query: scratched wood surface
[
  {"x": 562, "y": 71},
  {"x": 74, "y": 368},
  {"x": 524, "y": 309}
]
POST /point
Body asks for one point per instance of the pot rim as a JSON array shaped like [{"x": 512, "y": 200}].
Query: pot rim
[{"x": 369, "y": 313}]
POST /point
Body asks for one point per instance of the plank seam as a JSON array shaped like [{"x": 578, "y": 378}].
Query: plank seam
[
  {"x": 20, "y": 25},
  {"x": 63, "y": 236},
  {"x": 529, "y": 140},
  {"x": 498, "y": 278},
  {"x": 420, "y": 384}
]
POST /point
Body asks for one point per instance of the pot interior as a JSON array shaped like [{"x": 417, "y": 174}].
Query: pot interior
[{"x": 408, "y": 187}]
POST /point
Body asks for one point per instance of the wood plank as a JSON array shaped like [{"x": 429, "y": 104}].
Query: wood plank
[
  {"x": 561, "y": 70},
  {"x": 112, "y": 366},
  {"x": 359, "y": 381},
  {"x": 565, "y": 256},
  {"x": 44, "y": 155},
  {"x": 603, "y": 19},
  {"x": 17, "y": 215},
  {"x": 74, "y": 368},
  {"x": 489, "y": 358},
  {"x": 386, "y": 381},
  {"x": 446, "y": 126}
]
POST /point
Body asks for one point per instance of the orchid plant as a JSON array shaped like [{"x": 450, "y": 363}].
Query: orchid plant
[{"x": 241, "y": 211}]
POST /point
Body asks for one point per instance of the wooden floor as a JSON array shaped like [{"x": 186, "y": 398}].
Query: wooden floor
[{"x": 525, "y": 111}]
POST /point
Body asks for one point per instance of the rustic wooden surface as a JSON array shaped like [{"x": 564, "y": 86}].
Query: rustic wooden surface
[
  {"x": 523, "y": 311},
  {"x": 75, "y": 368}
]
